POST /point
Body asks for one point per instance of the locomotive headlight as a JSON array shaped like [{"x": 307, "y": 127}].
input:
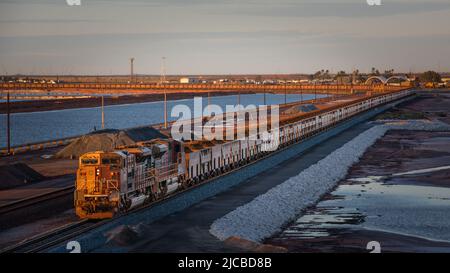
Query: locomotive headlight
[{"x": 97, "y": 172}]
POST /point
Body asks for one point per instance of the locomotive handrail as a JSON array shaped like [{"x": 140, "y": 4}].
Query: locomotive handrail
[
  {"x": 112, "y": 183},
  {"x": 166, "y": 171}
]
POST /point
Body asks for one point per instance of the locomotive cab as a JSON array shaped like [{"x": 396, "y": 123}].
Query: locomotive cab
[{"x": 97, "y": 193}]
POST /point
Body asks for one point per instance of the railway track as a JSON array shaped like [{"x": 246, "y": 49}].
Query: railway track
[
  {"x": 52, "y": 238},
  {"x": 58, "y": 236},
  {"x": 63, "y": 234},
  {"x": 27, "y": 202},
  {"x": 66, "y": 233}
]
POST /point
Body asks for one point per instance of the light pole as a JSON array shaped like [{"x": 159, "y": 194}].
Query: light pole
[
  {"x": 163, "y": 80},
  {"x": 264, "y": 91},
  {"x": 239, "y": 97},
  {"x": 301, "y": 94},
  {"x": 209, "y": 99},
  {"x": 315, "y": 92},
  {"x": 131, "y": 69},
  {"x": 8, "y": 125},
  {"x": 103, "y": 112}
]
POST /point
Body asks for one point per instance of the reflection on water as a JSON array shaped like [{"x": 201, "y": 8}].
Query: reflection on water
[
  {"x": 315, "y": 224},
  {"x": 423, "y": 171},
  {"x": 11, "y": 100},
  {"x": 41, "y": 126},
  {"x": 411, "y": 209}
]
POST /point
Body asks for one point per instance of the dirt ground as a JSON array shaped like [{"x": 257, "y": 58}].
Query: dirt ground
[
  {"x": 432, "y": 105},
  {"x": 48, "y": 167}
]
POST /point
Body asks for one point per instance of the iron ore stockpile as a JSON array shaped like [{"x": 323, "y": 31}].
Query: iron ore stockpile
[
  {"x": 107, "y": 140},
  {"x": 164, "y": 176}
]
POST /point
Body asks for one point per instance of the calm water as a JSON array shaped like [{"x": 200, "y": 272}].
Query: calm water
[
  {"x": 11, "y": 100},
  {"x": 41, "y": 126},
  {"x": 415, "y": 210}
]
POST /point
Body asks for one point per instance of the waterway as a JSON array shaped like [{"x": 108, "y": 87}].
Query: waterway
[{"x": 49, "y": 125}]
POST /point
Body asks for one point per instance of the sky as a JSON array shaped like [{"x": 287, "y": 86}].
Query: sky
[{"x": 222, "y": 36}]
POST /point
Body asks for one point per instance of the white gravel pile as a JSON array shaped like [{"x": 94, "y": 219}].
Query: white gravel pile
[{"x": 266, "y": 214}]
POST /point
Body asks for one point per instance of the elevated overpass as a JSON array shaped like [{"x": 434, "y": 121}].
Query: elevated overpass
[{"x": 384, "y": 80}]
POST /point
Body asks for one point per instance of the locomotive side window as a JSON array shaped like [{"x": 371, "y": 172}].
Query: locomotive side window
[
  {"x": 110, "y": 161},
  {"x": 89, "y": 161}
]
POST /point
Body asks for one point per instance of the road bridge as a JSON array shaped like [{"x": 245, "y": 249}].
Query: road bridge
[{"x": 99, "y": 88}]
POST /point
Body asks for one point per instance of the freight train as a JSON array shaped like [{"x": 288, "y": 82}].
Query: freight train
[{"x": 113, "y": 182}]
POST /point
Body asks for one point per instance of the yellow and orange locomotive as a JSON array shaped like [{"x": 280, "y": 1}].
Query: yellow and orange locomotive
[{"x": 109, "y": 182}]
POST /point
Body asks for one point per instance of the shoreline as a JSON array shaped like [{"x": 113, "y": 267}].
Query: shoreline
[
  {"x": 62, "y": 104},
  {"x": 351, "y": 240}
]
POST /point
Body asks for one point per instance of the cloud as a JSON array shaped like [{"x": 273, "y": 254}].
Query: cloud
[
  {"x": 335, "y": 9},
  {"x": 48, "y": 21}
]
